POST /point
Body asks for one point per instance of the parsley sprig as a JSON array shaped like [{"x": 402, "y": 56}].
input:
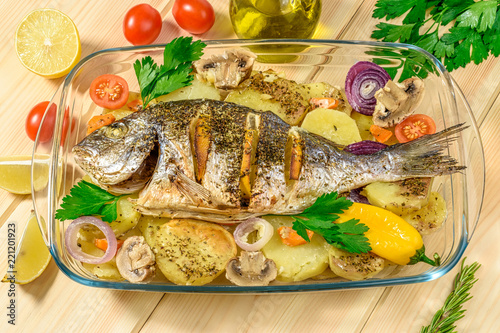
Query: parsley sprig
[
  {"x": 473, "y": 36},
  {"x": 157, "y": 80},
  {"x": 85, "y": 198},
  {"x": 320, "y": 218}
]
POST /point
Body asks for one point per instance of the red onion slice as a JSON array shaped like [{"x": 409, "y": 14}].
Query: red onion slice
[
  {"x": 264, "y": 233},
  {"x": 362, "y": 81},
  {"x": 356, "y": 196},
  {"x": 71, "y": 238},
  {"x": 365, "y": 147}
]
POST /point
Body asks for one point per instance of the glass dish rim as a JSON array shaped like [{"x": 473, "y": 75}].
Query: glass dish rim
[{"x": 430, "y": 275}]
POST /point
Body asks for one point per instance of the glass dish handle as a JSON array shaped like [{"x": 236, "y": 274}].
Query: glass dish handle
[
  {"x": 475, "y": 173},
  {"x": 42, "y": 165}
]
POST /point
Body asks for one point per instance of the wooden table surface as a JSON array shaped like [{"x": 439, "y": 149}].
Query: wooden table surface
[{"x": 54, "y": 303}]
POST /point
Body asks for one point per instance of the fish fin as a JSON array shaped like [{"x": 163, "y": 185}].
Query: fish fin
[
  {"x": 191, "y": 189},
  {"x": 423, "y": 157}
]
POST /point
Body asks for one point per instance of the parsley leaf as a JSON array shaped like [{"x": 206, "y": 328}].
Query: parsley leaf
[
  {"x": 474, "y": 33},
  {"x": 320, "y": 218},
  {"x": 175, "y": 73},
  {"x": 85, "y": 198}
]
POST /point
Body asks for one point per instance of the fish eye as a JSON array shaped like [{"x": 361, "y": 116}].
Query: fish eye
[{"x": 116, "y": 130}]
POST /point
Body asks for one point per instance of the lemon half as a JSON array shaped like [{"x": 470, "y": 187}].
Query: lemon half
[
  {"x": 32, "y": 255},
  {"x": 47, "y": 43}
]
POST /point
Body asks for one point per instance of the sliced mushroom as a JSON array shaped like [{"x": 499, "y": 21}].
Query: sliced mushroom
[
  {"x": 251, "y": 269},
  {"x": 226, "y": 71},
  {"x": 135, "y": 260},
  {"x": 395, "y": 101}
]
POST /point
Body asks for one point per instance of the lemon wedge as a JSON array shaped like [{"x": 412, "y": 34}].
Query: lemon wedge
[
  {"x": 15, "y": 173},
  {"x": 47, "y": 43},
  {"x": 32, "y": 255}
]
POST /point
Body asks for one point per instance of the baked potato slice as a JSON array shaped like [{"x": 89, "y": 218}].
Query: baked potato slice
[{"x": 191, "y": 252}]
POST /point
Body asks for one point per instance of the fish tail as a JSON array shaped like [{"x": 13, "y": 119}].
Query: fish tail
[{"x": 425, "y": 156}]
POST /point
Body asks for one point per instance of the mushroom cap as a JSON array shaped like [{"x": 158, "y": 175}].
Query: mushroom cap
[
  {"x": 135, "y": 260},
  {"x": 226, "y": 70},
  {"x": 251, "y": 269},
  {"x": 395, "y": 102}
]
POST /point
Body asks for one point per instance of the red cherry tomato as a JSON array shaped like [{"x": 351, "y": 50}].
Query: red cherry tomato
[
  {"x": 194, "y": 16},
  {"x": 35, "y": 118},
  {"x": 47, "y": 129},
  {"x": 414, "y": 127},
  {"x": 142, "y": 24},
  {"x": 109, "y": 91}
]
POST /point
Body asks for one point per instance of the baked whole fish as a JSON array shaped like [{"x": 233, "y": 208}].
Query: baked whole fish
[{"x": 224, "y": 162}]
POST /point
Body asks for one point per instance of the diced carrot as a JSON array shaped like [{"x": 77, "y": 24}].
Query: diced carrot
[
  {"x": 324, "y": 102},
  {"x": 102, "y": 243},
  {"x": 134, "y": 105},
  {"x": 290, "y": 237},
  {"x": 99, "y": 121},
  {"x": 380, "y": 134}
]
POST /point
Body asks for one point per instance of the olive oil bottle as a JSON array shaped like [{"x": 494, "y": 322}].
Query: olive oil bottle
[{"x": 274, "y": 18}]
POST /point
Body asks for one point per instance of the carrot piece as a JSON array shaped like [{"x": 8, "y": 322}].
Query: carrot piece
[
  {"x": 380, "y": 134},
  {"x": 99, "y": 121},
  {"x": 290, "y": 237},
  {"x": 102, "y": 243},
  {"x": 134, "y": 105},
  {"x": 324, "y": 102}
]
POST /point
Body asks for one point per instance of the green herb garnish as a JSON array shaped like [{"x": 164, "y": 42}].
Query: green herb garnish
[
  {"x": 85, "y": 198},
  {"x": 445, "y": 318},
  {"x": 474, "y": 35},
  {"x": 320, "y": 217},
  {"x": 157, "y": 80}
]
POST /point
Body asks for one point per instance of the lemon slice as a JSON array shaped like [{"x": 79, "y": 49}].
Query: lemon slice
[
  {"x": 32, "y": 255},
  {"x": 15, "y": 173},
  {"x": 47, "y": 43}
]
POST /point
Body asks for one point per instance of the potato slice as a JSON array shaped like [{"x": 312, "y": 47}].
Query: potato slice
[
  {"x": 127, "y": 217},
  {"x": 190, "y": 252},
  {"x": 295, "y": 263},
  {"x": 268, "y": 92},
  {"x": 430, "y": 217},
  {"x": 400, "y": 197},
  {"x": 333, "y": 125},
  {"x": 364, "y": 123},
  {"x": 354, "y": 266},
  {"x": 149, "y": 226},
  {"x": 196, "y": 90}
]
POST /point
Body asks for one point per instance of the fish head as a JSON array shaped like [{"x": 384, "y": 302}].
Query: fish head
[{"x": 112, "y": 153}]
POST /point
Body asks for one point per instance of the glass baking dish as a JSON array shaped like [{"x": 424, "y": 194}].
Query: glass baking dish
[{"x": 303, "y": 61}]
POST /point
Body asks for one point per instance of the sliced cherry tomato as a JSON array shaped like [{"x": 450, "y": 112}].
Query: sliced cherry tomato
[
  {"x": 35, "y": 118},
  {"x": 194, "y": 16},
  {"x": 109, "y": 91},
  {"x": 414, "y": 127},
  {"x": 142, "y": 24}
]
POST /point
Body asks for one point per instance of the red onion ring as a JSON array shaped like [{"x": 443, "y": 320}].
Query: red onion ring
[
  {"x": 365, "y": 147},
  {"x": 71, "y": 238},
  {"x": 362, "y": 81},
  {"x": 264, "y": 232},
  {"x": 356, "y": 196}
]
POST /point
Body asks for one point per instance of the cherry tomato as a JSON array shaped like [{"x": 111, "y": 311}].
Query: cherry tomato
[
  {"x": 142, "y": 24},
  {"x": 35, "y": 118},
  {"x": 414, "y": 127},
  {"x": 47, "y": 130},
  {"x": 109, "y": 91},
  {"x": 194, "y": 16}
]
